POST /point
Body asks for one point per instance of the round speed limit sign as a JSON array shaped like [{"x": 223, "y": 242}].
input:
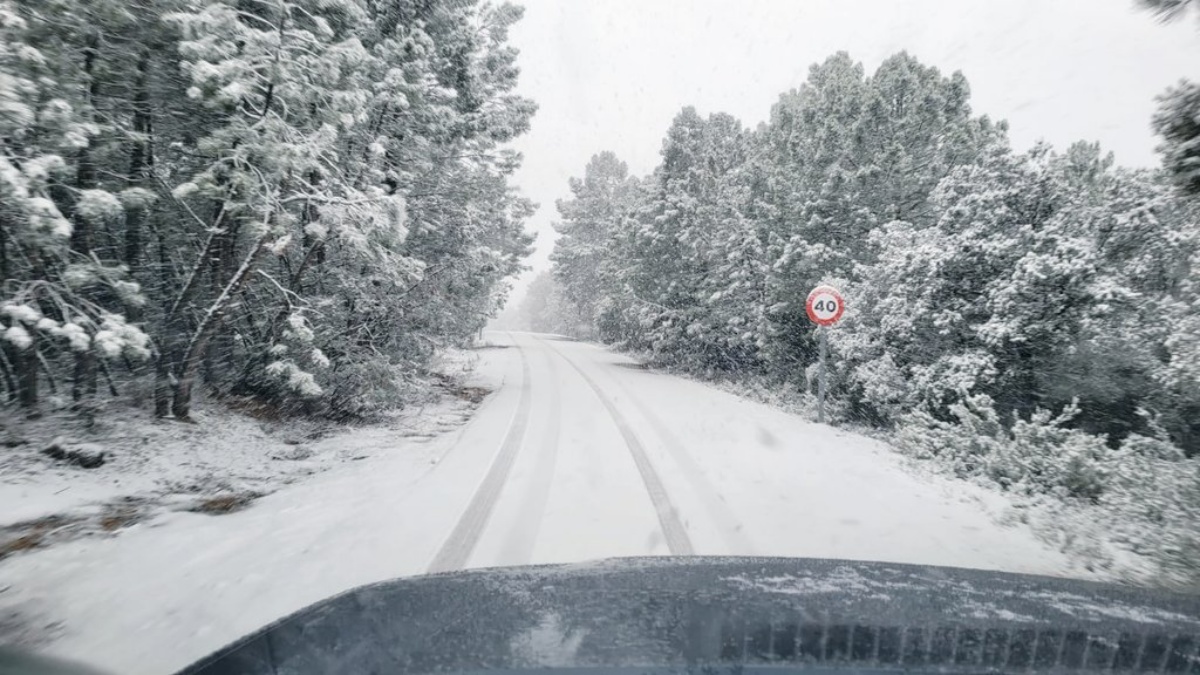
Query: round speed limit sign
[{"x": 825, "y": 305}]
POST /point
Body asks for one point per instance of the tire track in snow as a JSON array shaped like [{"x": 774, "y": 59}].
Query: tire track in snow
[
  {"x": 457, "y": 548},
  {"x": 518, "y": 547},
  {"x": 718, "y": 510},
  {"x": 668, "y": 517}
]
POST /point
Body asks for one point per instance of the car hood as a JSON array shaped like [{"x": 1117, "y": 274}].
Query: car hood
[{"x": 725, "y": 614}]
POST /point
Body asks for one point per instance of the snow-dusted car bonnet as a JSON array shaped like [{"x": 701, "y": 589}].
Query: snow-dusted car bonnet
[{"x": 657, "y": 614}]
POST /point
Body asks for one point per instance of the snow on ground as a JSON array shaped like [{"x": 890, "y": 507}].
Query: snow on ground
[
  {"x": 225, "y": 452},
  {"x": 734, "y": 476},
  {"x": 791, "y": 487},
  {"x": 173, "y": 584},
  {"x": 1076, "y": 529}
]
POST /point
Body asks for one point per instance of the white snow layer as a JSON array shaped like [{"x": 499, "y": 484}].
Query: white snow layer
[{"x": 743, "y": 478}]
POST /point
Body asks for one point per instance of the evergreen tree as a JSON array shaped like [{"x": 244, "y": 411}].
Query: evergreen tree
[
  {"x": 600, "y": 199},
  {"x": 299, "y": 201}
]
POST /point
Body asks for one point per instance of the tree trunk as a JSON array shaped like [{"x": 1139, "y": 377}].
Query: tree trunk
[
  {"x": 133, "y": 240},
  {"x": 219, "y": 353},
  {"x": 41, "y": 359},
  {"x": 181, "y": 404},
  {"x": 83, "y": 383},
  {"x": 168, "y": 354},
  {"x": 140, "y": 159},
  {"x": 27, "y": 376},
  {"x": 163, "y": 352},
  {"x": 83, "y": 236},
  {"x": 6, "y": 369},
  {"x": 4, "y": 269},
  {"x": 108, "y": 379}
]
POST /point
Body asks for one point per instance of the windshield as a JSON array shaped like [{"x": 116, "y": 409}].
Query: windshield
[{"x": 304, "y": 295}]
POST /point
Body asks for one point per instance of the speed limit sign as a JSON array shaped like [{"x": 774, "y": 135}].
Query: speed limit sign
[{"x": 825, "y": 305}]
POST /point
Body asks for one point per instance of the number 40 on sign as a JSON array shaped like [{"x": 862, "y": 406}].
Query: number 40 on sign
[{"x": 825, "y": 307}]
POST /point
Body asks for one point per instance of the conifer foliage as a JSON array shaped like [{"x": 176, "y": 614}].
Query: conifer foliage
[{"x": 297, "y": 200}]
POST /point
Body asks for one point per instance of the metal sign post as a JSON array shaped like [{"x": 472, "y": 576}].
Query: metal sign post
[
  {"x": 821, "y": 382},
  {"x": 825, "y": 307}
]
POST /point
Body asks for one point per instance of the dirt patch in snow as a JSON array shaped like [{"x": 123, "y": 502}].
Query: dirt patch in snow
[
  {"x": 222, "y": 504},
  {"x": 106, "y": 519},
  {"x": 455, "y": 387},
  {"x": 34, "y": 534},
  {"x": 472, "y": 394}
]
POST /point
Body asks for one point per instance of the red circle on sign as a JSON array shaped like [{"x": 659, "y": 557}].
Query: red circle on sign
[{"x": 825, "y": 305}]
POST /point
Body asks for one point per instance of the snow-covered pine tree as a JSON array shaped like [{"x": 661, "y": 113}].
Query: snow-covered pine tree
[
  {"x": 674, "y": 249},
  {"x": 845, "y": 154},
  {"x": 586, "y": 227}
]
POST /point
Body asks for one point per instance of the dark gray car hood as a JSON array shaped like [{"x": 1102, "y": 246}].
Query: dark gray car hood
[{"x": 726, "y": 614}]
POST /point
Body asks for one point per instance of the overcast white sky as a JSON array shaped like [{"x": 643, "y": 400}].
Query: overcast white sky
[{"x": 611, "y": 74}]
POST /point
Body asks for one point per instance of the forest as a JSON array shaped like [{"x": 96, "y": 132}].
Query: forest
[
  {"x": 293, "y": 202},
  {"x": 299, "y": 203},
  {"x": 1029, "y": 319}
]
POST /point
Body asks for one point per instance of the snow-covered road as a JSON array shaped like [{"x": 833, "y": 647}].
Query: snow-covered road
[
  {"x": 578, "y": 454},
  {"x": 601, "y": 458}
]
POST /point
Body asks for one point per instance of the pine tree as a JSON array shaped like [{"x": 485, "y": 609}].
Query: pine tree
[
  {"x": 846, "y": 154},
  {"x": 599, "y": 200},
  {"x": 680, "y": 240}
]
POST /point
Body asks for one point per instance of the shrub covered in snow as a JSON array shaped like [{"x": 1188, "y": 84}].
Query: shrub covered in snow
[
  {"x": 1144, "y": 490},
  {"x": 1038, "y": 455}
]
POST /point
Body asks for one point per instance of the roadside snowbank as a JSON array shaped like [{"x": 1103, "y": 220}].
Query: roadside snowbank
[{"x": 114, "y": 565}]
